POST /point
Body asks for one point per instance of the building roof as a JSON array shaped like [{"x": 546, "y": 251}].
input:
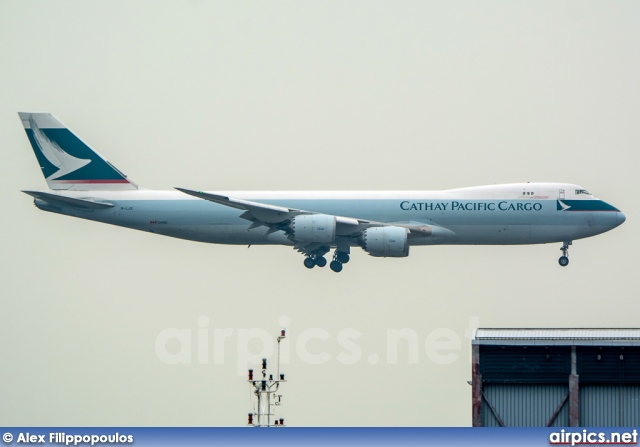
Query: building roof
[{"x": 558, "y": 336}]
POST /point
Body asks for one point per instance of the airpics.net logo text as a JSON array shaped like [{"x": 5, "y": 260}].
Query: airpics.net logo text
[
  {"x": 314, "y": 346},
  {"x": 587, "y": 437}
]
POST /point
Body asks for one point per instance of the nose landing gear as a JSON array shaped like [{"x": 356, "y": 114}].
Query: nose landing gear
[{"x": 564, "y": 259}]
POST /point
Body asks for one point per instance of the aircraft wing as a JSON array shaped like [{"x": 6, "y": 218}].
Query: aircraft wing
[
  {"x": 277, "y": 217},
  {"x": 268, "y": 214}
]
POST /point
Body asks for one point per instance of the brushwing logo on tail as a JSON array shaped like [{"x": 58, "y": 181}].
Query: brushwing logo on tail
[{"x": 65, "y": 163}]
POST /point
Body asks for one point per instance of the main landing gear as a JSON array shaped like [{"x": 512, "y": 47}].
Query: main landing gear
[
  {"x": 311, "y": 261},
  {"x": 564, "y": 259},
  {"x": 339, "y": 258}
]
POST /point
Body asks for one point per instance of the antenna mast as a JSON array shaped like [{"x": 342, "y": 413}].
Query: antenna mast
[{"x": 265, "y": 389}]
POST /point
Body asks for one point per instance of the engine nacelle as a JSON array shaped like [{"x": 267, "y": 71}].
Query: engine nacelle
[
  {"x": 385, "y": 241},
  {"x": 313, "y": 228}
]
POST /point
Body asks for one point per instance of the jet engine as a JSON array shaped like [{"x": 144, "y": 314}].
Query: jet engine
[
  {"x": 385, "y": 241},
  {"x": 313, "y": 228}
]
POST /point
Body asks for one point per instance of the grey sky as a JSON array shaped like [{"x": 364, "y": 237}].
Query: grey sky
[{"x": 303, "y": 95}]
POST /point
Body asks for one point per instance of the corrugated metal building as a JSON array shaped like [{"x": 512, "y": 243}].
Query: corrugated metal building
[{"x": 556, "y": 377}]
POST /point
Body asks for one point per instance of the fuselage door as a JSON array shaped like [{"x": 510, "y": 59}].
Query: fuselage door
[{"x": 561, "y": 194}]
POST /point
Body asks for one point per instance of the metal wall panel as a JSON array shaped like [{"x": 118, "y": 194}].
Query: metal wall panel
[
  {"x": 525, "y": 364},
  {"x": 525, "y": 405},
  {"x": 609, "y": 365},
  {"x": 609, "y": 405}
]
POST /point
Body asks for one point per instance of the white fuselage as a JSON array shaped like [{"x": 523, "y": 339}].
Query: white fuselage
[{"x": 523, "y": 213}]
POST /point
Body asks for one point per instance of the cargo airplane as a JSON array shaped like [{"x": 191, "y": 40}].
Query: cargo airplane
[{"x": 383, "y": 223}]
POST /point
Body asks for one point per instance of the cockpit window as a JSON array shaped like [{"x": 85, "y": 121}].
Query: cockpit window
[{"x": 582, "y": 191}]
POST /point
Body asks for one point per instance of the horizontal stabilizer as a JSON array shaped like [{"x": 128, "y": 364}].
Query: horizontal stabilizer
[{"x": 56, "y": 199}]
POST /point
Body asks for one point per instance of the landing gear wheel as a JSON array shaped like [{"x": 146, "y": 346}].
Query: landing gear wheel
[
  {"x": 342, "y": 257},
  {"x": 310, "y": 263},
  {"x": 336, "y": 266},
  {"x": 321, "y": 261},
  {"x": 564, "y": 259}
]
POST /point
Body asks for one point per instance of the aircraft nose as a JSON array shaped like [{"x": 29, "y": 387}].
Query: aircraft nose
[{"x": 621, "y": 218}]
